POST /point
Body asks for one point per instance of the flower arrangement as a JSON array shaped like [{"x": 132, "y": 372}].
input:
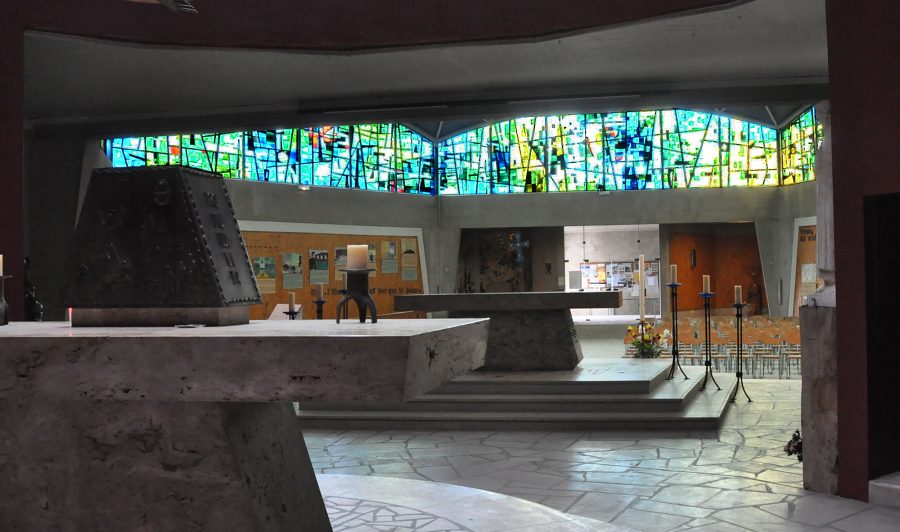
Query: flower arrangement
[
  {"x": 795, "y": 446},
  {"x": 647, "y": 342}
]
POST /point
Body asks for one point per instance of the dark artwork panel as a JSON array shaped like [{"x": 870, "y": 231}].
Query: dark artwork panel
[{"x": 494, "y": 260}]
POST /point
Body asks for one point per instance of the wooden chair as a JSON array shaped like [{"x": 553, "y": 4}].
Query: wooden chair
[
  {"x": 791, "y": 353},
  {"x": 767, "y": 358}
]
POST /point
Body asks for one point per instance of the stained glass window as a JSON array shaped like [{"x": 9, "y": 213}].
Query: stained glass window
[
  {"x": 388, "y": 157},
  {"x": 669, "y": 148},
  {"x": 799, "y": 141},
  {"x": 219, "y": 152},
  {"x": 611, "y": 151},
  {"x": 271, "y": 155}
]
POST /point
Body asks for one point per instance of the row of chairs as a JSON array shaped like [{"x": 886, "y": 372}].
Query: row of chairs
[{"x": 760, "y": 360}]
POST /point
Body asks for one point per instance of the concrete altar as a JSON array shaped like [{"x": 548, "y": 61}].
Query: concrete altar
[
  {"x": 192, "y": 429},
  {"x": 529, "y": 330}
]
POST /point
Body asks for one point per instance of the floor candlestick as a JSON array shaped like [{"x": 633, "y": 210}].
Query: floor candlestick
[
  {"x": 707, "y": 318},
  {"x": 676, "y": 361},
  {"x": 739, "y": 315}
]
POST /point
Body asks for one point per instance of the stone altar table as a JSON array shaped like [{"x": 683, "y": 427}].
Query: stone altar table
[
  {"x": 192, "y": 429},
  {"x": 529, "y": 330}
]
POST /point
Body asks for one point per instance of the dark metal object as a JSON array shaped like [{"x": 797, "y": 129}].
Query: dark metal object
[
  {"x": 676, "y": 361},
  {"x": 707, "y": 317},
  {"x": 34, "y": 310},
  {"x": 292, "y": 314},
  {"x": 320, "y": 303},
  {"x": 4, "y": 308},
  {"x": 739, "y": 315},
  {"x": 358, "y": 290},
  {"x": 156, "y": 237}
]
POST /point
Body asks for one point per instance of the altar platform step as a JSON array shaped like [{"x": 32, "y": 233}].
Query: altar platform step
[
  {"x": 591, "y": 377},
  {"x": 667, "y": 396},
  {"x": 701, "y": 411}
]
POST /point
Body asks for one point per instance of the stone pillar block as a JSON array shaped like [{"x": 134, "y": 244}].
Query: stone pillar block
[{"x": 819, "y": 399}]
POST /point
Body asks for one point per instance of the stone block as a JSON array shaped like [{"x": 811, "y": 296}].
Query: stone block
[{"x": 819, "y": 399}]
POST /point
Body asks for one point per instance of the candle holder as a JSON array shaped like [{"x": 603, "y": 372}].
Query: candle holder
[
  {"x": 320, "y": 303},
  {"x": 292, "y": 314},
  {"x": 707, "y": 359},
  {"x": 4, "y": 308},
  {"x": 676, "y": 361},
  {"x": 358, "y": 290},
  {"x": 739, "y": 373}
]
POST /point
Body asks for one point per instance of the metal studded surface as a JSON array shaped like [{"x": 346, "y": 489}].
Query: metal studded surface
[{"x": 158, "y": 237}]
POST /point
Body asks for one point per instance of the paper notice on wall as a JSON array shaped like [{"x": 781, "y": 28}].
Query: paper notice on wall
[
  {"x": 340, "y": 261},
  {"x": 264, "y": 271},
  {"x": 575, "y": 280},
  {"x": 410, "y": 253},
  {"x": 291, "y": 271},
  {"x": 808, "y": 273},
  {"x": 318, "y": 266},
  {"x": 371, "y": 260},
  {"x": 410, "y": 274},
  {"x": 389, "y": 266}
]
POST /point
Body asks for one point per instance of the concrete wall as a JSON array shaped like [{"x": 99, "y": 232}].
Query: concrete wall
[
  {"x": 55, "y": 172},
  {"x": 614, "y": 243}
]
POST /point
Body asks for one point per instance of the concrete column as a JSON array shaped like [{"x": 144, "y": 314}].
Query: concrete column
[{"x": 819, "y": 424}]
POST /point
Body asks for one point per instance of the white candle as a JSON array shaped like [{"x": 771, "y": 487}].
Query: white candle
[
  {"x": 1, "y": 265},
  {"x": 673, "y": 273},
  {"x": 706, "y": 284},
  {"x": 357, "y": 257},
  {"x": 292, "y": 302},
  {"x": 641, "y": 295},
  {"x": 320, "y": 292},
  {"x": 738, "y": 294}
]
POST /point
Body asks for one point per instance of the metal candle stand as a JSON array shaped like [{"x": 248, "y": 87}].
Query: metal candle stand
[
  {"x": 320, "y": 304},
  {"x": 358, "y": 290},
  {"x": 707, "y": 315},
  {"x": 4, "y": 308},
  {"x": 739, "y": 314},
  {"x": 676, "y": 361},
  {"x": 292, "y": 314}
]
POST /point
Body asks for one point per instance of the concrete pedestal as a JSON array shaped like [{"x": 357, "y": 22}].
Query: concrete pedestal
[
  {"x": 526, "y": 340},
  {"x": 192, "y": 429},
  {"x": 819, "y": 399},
  {"x": 530, "y": 331}
]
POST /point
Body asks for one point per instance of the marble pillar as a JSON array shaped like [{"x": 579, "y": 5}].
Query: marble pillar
[
  {"x": 826, "y": 294},
  {"x": 819, "y": 399}
]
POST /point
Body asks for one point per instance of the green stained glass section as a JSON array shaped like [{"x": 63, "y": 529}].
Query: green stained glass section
[
  {"x": 271, "y": 155},
  {"x": 638, "y": 150},
  {"x": 799, "y": 141},
  {"x": 218, "y": 152},
  {"x": 387, "y": 157}
]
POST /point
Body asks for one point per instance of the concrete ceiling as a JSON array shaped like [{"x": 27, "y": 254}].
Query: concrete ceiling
[{"x": 675, "y": 61}]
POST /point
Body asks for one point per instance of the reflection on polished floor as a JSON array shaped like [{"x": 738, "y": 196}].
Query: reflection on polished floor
[{"x": 736, "y": 479}]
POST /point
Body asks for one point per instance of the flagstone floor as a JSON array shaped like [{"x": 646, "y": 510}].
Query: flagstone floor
[{"x": 733, "y": 480}]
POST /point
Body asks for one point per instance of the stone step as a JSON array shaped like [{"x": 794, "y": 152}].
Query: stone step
[
  {"x": 667, "y": 396},
  {"x": 703, "y": 412},
  {"x": 885, "y": 490},
  {"x": 591, "y": 377}
]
